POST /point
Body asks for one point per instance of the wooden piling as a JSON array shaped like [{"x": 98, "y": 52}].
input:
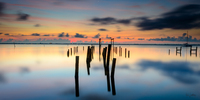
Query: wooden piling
[
  {"x": 88, "y": 59},
  {"x": 107, "y": 67},
  {"x": 104, "y": 59},
  {"x": 68, "y": 53},
  {"x": 113, "y": 67},
  {"x": 76, "y": 76},
  {"x": 125, "y": 52},
  {"x": 128, "y": 53},
  {"x": 77, "y": 66},
  {"x": 108, "y": 56},
  {"x": 71, "y": 51}
]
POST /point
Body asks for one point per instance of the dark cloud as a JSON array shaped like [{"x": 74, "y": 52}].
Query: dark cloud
[
  {"x": 61, "y": 2},
  {"x": 37, "y": 25},
  {"x": 180, "y": 71},
  {"x": 80, "y": 36},
  {"x": 182, "y": 38},
  {"x": 46, "y": 35},
  {"x": 141, "y": 39},
  {"x": 107, "y": 20},
  {"x": 2, "y": 7},
  {"x": 6, "y": 34},
  {"x": 1, "y": 33},
  {"x": 97, "y": 36},
  {"x": 35, "y": 34},
  {"x": 22, "y": 16},
  {"x": 119, "y": 37},
  {"x": 111, "y": 20},
  {"x": 184, "y": 34},
  {"x": 124, "y": 21},
  {"x": 128, "y": 38},
  {"x": 61, "y": 34},
  {"x": 102, "y": 29},
  {"x": 108, "y": 37},
  {"x": 184, "y": 17},
  {"x": 67, "y": 35}
]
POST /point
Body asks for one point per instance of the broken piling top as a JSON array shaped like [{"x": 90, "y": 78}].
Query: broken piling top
[{"x": 76, "y": 66}]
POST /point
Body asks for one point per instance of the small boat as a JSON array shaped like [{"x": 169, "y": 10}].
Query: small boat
[{"x": 186, "y": 44}]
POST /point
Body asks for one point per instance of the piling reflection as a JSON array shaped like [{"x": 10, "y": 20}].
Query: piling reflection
[
  {"x": 193, "y": 51},
  {"x": 106, "y": 61}
]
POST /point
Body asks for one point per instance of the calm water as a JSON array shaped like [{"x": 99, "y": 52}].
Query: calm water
[{"x": 44, "y": 72}]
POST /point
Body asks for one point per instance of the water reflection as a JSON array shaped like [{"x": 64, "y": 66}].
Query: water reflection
[
  {"x": 54, "y": 78},
  {"x": 181, "y": 71}
]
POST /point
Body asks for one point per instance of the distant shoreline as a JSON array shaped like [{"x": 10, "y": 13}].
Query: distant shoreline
[{"x": 101, "y": 44}]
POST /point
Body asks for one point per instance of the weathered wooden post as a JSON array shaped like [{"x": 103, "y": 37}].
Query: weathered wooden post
[
  {"x": 71, "y": 51},
  {"x": 169, "y": 52},
  {"x": 99, "y": 49},
  {"x": 76, "y": 76},
  {"x": 88, "y": 59},
  {"x": 68, "y": 53},
  {"x": 107, "y": 67},
  {"x": 128, "y": 53},
  {"x": 104, "y": 59},
  {"x": 125, "y": 52}
]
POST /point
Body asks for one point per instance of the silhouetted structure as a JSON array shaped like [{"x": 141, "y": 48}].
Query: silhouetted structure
[
  {"x": 76, "y": 76},
  {"x": 125, "y": 52},
  {"x": 107, "y": 67},
  {"x": 88, "y": 59},
  {"x": 112, "y": 76},
  {"x": 68, "y": 53},
  {"x": 104, "y": 58},
  {"x": 71, "y": 51},
  {"x": 193, "y": 51},
  {"x": 128, "y": 53},
  {"x": 178, "y": 50}
]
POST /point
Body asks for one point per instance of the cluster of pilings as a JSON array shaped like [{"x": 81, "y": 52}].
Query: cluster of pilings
[
  {"x": 90, "y": 56},
  {"x": 69, "y": 51},
  {"x": 120, "y": 52},
  {"x": 178, "y": 50},
  {"x": 106, "y": 68},
  {"x": 193, "y": 51}
]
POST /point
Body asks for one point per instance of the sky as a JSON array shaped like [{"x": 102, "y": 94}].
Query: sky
[{"x": 127, "y": 21}]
